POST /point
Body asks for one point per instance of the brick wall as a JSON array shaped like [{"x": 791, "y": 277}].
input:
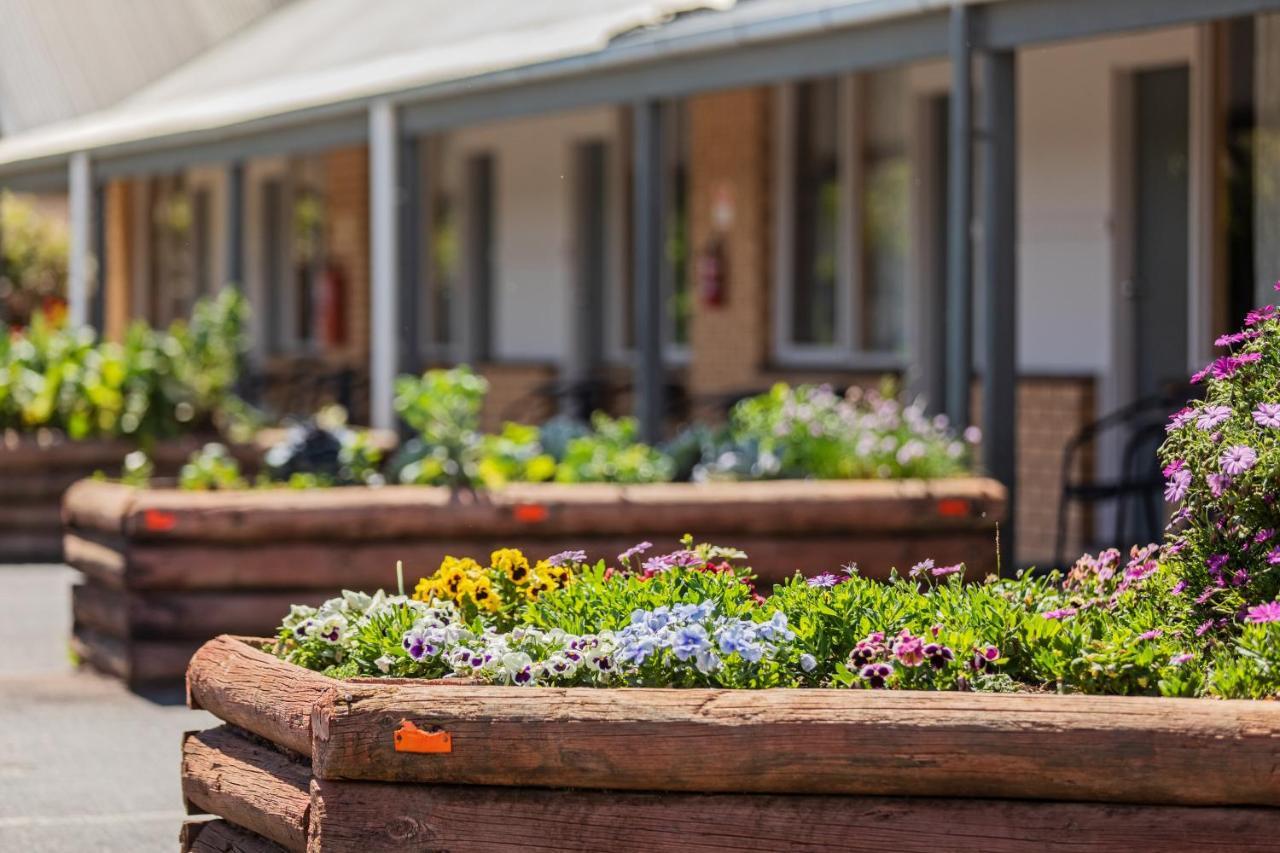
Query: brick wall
[
  {"x": 1051, "y": 410},
  {"x": 729, "y": 201},
  {"x": 512, "y": 394}
]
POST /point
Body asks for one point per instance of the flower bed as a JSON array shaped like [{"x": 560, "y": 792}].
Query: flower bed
[
  {"x": 36, "y": 475},
  {"x": 310, "y": 762},
  {"x": 165, "y": 569}
]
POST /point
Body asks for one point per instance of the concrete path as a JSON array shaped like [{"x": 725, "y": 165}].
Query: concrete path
[{"x": 85, "y": 765}]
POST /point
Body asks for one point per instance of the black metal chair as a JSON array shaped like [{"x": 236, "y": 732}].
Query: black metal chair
[
  {"x": 581, "y": 397},
  {"x": 1138, "y": 487}
]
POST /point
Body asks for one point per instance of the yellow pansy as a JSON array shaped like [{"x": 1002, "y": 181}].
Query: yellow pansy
[
  {"x": 484, "y": 595},
  {"x": 512, "y": 563},
  {"x": 425, "y": 589}
]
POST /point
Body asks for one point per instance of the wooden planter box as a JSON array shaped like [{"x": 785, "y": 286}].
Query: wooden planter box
[
  {"x": 34, "y": 475},
  {"x": 309, "y": 763},
  {"x": 165, "y": 570}
]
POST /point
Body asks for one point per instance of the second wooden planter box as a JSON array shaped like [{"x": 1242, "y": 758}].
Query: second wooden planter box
[
  {"x": 166, "y": 569},
  {"x": 308, "y": 763},
  {"x": 35, "y": 474}
]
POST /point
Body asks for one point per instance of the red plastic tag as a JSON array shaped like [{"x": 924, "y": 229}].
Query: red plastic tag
[
  {"x": 531, "y": 513},
  {"x": 159, "y": 521},
  {"x": 954, "y": 507}
]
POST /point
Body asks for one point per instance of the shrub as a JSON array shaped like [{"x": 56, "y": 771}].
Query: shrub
[
  {"x": 1222, "y": 460},
  {"x": 811, "y": 432},
  {"x": 33, "y": 261},
  {"x": 151, "y": 385}
]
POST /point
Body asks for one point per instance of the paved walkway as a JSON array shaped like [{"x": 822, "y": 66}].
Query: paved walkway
[{"x": 85, "y": 765}]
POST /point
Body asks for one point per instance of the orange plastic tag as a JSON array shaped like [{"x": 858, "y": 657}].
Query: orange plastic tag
[
  {"x": 531, "y": 513},
  {"x": 158, "y": 521},
  {"x": 953, "y": 507},
  {"x": 410, "y": 738}
]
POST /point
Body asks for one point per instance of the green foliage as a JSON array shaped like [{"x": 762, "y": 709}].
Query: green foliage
[
  {"x": 443, "y": 406},
  {"x": 513, "y": 455},
  {"x": 211, "y": 468},
  {"x": 600, "y": 599},
  {"x": 33, "y": 260},
  {"x": 612, "y": 453},
  {"x": 1250, "y": 669},
  {"x": 151, "y": 385}
]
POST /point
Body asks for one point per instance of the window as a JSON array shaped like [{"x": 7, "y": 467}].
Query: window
[
  {"x": 843, "y": 228},
  {"x": 480, "y": 242},
  {"x": 442, "y": 265},
  {"x": 676, "y": 274},
  {"x": 677, "y": 292},
  {"x": 182, "y": 246},
  {"x": 172, "y": 288},
  {"x": 301, "y": 314}
]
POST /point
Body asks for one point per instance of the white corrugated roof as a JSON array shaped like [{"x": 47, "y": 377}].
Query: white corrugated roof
[
  {"x": 314, "y": 53},
  {"x": 64, "y": 58}
]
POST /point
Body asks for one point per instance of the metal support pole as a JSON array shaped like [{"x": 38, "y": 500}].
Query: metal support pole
[
  {"x": 384, "y": 260},
  {"x": 235, "y": 225},
  {"x": 999, "y": 280},
  {"x": 79, "y": 263},
  {"x": 649, "y": 382},
  {"x": 98, "y": 296},
  {"x": 411, "y": 241},
  {"x": 960, "y": 201}
]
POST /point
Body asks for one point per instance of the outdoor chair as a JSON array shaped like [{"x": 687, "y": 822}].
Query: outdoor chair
[{"x": 1136, "y": 492}]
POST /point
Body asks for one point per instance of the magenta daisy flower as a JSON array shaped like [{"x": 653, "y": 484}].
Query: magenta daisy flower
[
  {"x": 1176, "y": 489},
  {"x": 1238, "y": 459},
  {"x": 1267, "y": 415},
  {"x": 1211, "y": 416},
  {"x": 1181, "y": 419},
  {"x": 1269, "y": 612},
  {"x": 1218, "y": 483}
]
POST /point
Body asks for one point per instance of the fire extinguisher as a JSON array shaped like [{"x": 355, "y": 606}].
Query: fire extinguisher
[
  {"x": 710, "y": 270},
  {"x": 333, "y": 297}
]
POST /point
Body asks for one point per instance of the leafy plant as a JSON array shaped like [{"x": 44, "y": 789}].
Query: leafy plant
[
  {"x": 151, "y": 385},
  {"x": 211, "y": 468},
  {"x": 1222, "y": 458},
  {"x": 613, "y": 453}
]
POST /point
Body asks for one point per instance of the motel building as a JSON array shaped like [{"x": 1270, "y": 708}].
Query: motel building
[{"x": 1034, "y": 212}]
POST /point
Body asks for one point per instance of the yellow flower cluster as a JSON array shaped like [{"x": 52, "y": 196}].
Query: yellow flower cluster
[{"x": 509, "y": 578}]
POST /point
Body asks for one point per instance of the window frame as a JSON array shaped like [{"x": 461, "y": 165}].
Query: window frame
[{"x": 845, "y": 351}]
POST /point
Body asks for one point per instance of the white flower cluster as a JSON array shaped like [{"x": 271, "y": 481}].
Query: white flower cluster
[
  {"x": 523, "y": 656},
  {"x": 337, "y": 619}
]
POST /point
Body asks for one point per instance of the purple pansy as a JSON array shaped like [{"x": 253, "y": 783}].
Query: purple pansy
[{"x": 877, "y": 674}]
